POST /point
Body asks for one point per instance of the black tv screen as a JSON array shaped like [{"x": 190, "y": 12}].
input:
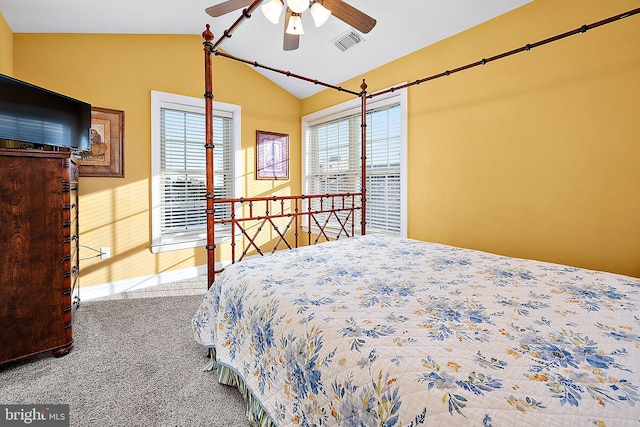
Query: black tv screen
[{"x": 35, "y": 115}]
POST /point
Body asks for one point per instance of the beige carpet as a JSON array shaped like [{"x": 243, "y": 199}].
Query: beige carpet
[{"x": 134, "y": 363}]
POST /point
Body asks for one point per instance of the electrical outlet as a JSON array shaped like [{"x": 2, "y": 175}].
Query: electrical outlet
[{"x": 105, "y": 253}]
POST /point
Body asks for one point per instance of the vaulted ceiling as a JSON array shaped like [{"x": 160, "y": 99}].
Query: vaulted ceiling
[{"x": 402, "y": 27}]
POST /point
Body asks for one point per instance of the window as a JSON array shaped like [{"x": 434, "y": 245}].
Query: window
[
  {"x": 178, "y": 168},
  {"x": 332, "y": 164}
]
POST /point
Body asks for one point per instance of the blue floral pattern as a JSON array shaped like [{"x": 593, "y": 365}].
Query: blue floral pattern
[{"x": 381, "y": 331}]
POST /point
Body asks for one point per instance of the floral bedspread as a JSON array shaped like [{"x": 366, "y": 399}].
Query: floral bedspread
[{"x": 380, "y": 331}]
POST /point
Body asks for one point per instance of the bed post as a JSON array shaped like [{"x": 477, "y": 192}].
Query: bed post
[
  {"x": 363, "y": 129},
  {"x": 207, "y": 35}
]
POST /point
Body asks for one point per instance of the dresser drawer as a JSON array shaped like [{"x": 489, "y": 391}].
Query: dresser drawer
[{"x": 39, "y": 240}]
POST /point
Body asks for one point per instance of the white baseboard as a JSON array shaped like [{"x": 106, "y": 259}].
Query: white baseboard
[{"x": 112, "y": 288}]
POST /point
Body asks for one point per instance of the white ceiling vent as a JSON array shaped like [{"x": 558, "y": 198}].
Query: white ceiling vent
[{"x": 347, "y": 40}]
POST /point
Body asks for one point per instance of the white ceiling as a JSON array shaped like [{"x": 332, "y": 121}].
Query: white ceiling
[{"x": 403, "y": 26}]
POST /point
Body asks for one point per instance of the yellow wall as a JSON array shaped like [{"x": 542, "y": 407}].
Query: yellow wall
[
  {"x": 119, "y": 72},
  {"x": 6, "y": 47},
  {"x": 536, "y": 155}
]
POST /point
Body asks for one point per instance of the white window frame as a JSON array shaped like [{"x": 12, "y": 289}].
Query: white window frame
[
  {"x": 348, "y": 108},
  {"x": 161, "y": 100}
]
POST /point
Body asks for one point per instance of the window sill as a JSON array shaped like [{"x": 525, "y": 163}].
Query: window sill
[
  {"x": 167, "y": 245},
  {"x": 175, "y": 245}
]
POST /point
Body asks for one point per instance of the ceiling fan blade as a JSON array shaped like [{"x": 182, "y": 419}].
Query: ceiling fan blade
[
  {"x": 291, "y": 41},
  {"x": 350, "y": 15},
  {"x": 226, "y": 7}
]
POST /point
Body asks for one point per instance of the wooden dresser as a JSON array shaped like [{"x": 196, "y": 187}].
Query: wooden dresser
[{"x": 39, "y": 264}]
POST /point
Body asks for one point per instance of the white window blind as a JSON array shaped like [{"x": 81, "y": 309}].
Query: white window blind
[
  {"x": 334, "y": 165},
  {"x": 179, "y": 169},
  {"x": 383, "y": 170},
  {"x": 183, "y": 173}
]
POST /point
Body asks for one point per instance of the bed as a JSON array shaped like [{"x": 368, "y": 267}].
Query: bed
[
  {"x": 385, "y": 331},
  {"x": 373, "y": 330}
]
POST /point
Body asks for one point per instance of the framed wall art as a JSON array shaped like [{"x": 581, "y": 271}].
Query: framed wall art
[
  {"x": 106, "y": 158},
  {"x": 272, "y": 155}
]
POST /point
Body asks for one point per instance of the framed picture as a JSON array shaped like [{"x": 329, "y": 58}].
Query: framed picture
[
  {"x": 272, "y": 155},
  {"x": 106, "y": 158}
]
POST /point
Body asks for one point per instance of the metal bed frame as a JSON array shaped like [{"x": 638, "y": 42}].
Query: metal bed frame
[{"x": 293, "y": 210}]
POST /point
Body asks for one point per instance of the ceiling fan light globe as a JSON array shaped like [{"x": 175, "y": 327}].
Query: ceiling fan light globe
[
  {"x": 272, "y": 10},
  {"x": 319, "y": 13},
  {"x": 298, "y": 6},
  {"x": 295, "y": 25}
]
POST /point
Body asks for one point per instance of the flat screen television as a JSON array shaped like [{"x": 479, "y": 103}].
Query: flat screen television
[{"x": 34, "y": 115}]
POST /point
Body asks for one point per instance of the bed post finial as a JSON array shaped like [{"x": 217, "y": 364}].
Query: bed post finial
[
  {"x": 207, "y": 35},
  {"x": 363, "y": 86}
]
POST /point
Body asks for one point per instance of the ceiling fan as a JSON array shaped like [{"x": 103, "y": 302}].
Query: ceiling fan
[{"x": 320, "y": 10}]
